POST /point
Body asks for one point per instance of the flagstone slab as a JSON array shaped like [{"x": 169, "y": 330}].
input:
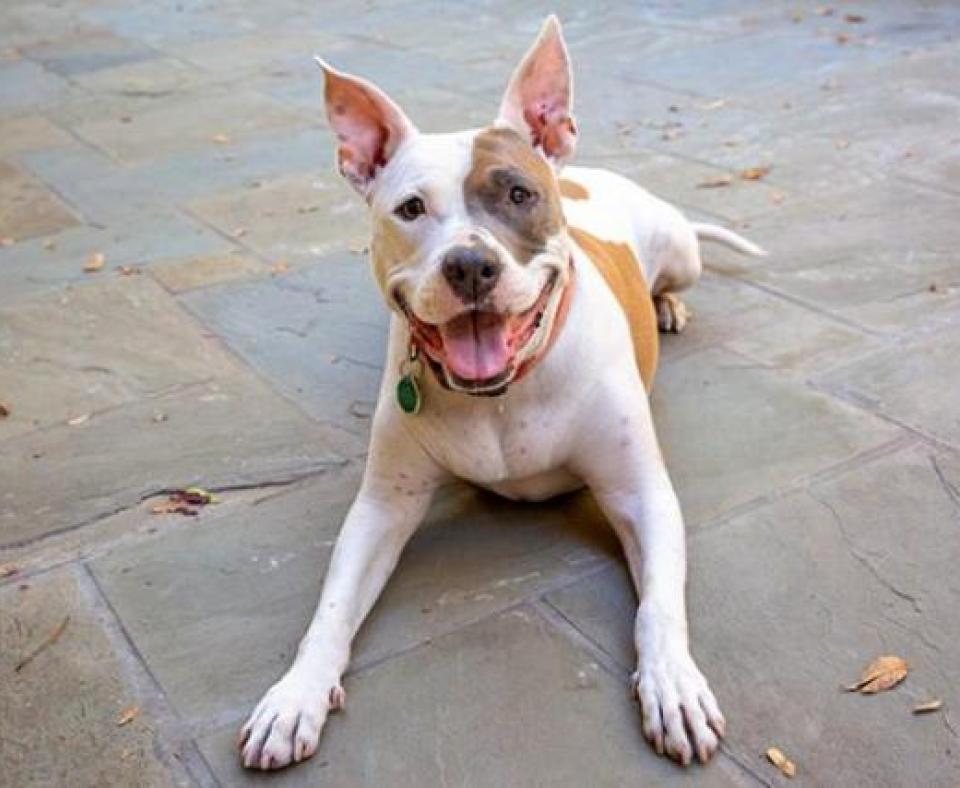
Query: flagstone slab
[
  {"x": 51, "y": 263},
  {"x": 220, "y": 433},
  {"x": 318, "y": 334},
  {"x": 59, "y": 711},
  {"x": 28, "y": 208},
  {"x": 217, "y": 611},
  {"x": 179, "y": 276},
  {"x": 189, "y": 122},
  {"x": 96, "y": 346},
  {"x": 906, "y": 382},
  {"x": 809, "y": 590},
  {"x": 732, "y": 431},
  {"x": 295, "y": 218},
  {"x": 508, "y": 701}
]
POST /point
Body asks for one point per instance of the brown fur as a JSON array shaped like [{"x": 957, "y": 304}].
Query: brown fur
[
  {"x": 623, "y": 275},
  {"x": 503, "y": 159},
  {"x": 573, "y": 190}
]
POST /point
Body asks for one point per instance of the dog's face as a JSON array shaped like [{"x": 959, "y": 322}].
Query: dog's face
[{"x": 469, "y": 240}]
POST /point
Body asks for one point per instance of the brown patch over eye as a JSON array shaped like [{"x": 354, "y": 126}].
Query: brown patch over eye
[{"x": 512, "y": 191}]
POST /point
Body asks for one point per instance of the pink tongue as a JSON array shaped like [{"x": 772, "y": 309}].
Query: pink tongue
[{"x": 475, "y": 346}]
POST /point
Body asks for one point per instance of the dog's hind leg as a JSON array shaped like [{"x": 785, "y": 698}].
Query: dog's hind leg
[{"x": 678, "y": 268}]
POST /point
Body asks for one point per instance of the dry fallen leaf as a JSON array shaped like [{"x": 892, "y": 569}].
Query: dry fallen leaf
[
  {"x": 716, "y": 182},
  {"x": 221, "y": 139},
  {"x": 931, "y": 705},
  {"x": 197, "y": 496},
  {"x": 4, "y": 410},
  {"x": 8, "y": 569},
  {"x": 842, "y": 38},
  {"x": 754, "y": 173},
  {"x": 128, "y": 715},
  {"x": 781, "y": 761},
  {"x": 173, "y": 507},
  {"x": 882, "y": 674},
  {"x": 129, "y": 270},
  {"x": 854, "y": 19},
  {"x": 94, "y": 263},
  {"x": 76, "y": 421},
  {"x": 185, "y": 502}
]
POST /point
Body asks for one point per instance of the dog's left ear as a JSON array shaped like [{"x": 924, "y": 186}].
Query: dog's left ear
[{"x": 539, "y": 99}]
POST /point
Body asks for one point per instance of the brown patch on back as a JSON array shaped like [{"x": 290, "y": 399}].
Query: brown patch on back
[
  {"x": 573, "y": 190},
  {"x": 622, "y": 272},
  {"x": 503, "y": 159}
]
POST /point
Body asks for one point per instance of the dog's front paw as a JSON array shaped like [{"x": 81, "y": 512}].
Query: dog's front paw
[
  {"x": 680, "y": 714},
  {"x": 285, "y": 726}
]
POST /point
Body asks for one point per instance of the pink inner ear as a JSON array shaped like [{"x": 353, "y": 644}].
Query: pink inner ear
[{"x": 551, "y": 126}]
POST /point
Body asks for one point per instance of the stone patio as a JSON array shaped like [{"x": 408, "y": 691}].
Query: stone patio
[{"x": 233, "y": 339}]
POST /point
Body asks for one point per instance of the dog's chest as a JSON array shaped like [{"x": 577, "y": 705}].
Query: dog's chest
[{"x": 492, "y": 443}]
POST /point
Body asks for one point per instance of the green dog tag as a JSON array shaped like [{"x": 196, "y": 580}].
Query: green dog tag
[{"x": 408, "y": 395}]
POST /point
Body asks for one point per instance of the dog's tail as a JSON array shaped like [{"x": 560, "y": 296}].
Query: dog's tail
[{"x": 713, "y": 232}]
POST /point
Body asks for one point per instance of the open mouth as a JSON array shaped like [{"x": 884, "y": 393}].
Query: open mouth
[{"x": 480, "y": 351}]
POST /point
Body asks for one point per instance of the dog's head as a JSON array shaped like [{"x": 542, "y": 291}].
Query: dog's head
[{"x": 469, "y": 241}]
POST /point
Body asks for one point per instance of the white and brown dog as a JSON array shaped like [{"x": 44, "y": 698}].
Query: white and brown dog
[{"x": 526, "y": 309}]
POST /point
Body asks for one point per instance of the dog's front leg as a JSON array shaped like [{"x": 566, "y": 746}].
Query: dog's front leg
[
  {"x": 398, "y": 485},
  {"x": 621, "y": 462}
]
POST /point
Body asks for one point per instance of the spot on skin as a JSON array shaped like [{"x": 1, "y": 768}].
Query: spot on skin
[
  {"x": 622, "y": 273},
  {"x": 573, "y": 191}
]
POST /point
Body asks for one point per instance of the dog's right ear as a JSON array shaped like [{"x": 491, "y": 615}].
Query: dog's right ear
[{"x": 368, "y": 125}]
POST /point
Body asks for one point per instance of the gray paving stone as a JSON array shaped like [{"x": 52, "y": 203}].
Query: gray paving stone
[
  {"x": 227, "y": 433},
  {"x": 187, "y": 123},
  {"x": 58, "y": 714},
  {"x": 25, "y": 85},
  {"x": 809, "y": 590},
  {"x": 318, "y": 334},
  {"x": 295, "y": 218},
  {"x": 903, "y": 382},
  {"x": 97, "y": 346},
  {"x": 49, "y": 263},
  {"x": 178, "y": 276},
  {"x": 853, "y": 260},
  {"x": 217, "y": 611},
  {"x": 30, "y": 132},
  {"x": 732, "y": 431},
  {"x": 760, "y": 326},
  {"x": 83, "y": 51},
  {"x": 505, "y": 702},
  {"x": 28, "y": 208}
]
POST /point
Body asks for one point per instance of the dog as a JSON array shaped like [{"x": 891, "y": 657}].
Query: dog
[{"x": 526, "y": 300}]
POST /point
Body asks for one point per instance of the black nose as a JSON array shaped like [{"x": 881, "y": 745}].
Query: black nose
[{"x": 471, "y": 271}]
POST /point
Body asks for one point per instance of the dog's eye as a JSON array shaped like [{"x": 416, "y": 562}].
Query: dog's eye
[
  {"x": 519, "y": 195},
  {"x": 409, "y": 210}
]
